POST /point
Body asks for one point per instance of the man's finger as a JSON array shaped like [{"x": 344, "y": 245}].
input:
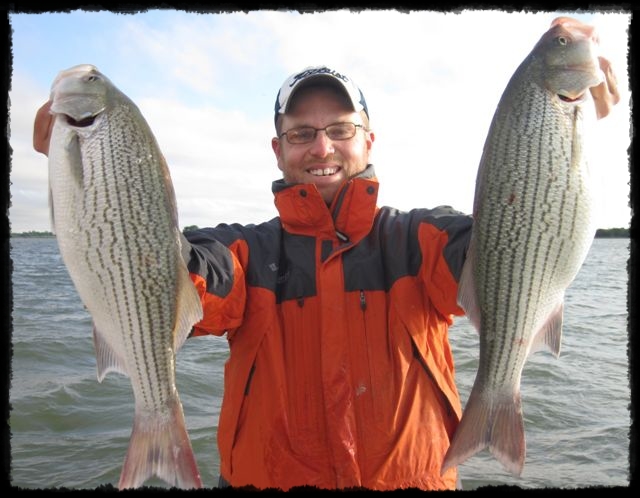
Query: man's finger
[{"x": 42, "y": 129}]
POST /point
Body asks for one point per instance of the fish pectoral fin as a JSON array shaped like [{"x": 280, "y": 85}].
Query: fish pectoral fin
[
  {"x": 107, "y": 359},
  {"x": 550, "y": 335},
  {"x": 75, "y": 160},
  {"x": 467, "y": 292}
]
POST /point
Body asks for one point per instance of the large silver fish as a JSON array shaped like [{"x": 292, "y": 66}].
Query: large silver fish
[
  {"x": 114, "y": 214},
  {"x": 532, "y": 229}
]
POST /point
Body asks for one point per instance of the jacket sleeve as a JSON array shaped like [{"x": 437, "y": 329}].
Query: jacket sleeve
[
  {"x": 444, "y": 241},
  {"x": 217, "y": 272}
]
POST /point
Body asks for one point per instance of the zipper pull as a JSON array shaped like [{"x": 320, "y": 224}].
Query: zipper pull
[
  {"x": 342, "y": 237},
  {"x": 363, "y": 301}
]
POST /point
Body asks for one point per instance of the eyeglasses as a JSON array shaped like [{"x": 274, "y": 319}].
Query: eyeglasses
[{"x": 307, "y": 134}]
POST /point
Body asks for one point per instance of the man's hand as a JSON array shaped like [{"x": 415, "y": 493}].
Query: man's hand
[
  {"x": 606, "y": 94},
  {"x": 42, "y": 129}
]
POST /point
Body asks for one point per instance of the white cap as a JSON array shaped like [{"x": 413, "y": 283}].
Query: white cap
[{"x": 313, "y": 74}]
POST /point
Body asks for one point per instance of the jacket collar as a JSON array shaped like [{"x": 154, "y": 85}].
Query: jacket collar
[{"x": 349, "y": 218}]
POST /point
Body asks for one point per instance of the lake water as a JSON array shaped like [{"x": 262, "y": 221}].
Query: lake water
[{"x": 68, "y": 430}]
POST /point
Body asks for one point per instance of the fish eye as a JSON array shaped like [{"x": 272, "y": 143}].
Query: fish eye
[{"x": 562, "y": 40}]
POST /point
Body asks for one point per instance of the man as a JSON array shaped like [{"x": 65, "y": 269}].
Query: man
[{"x": 340, "y": 372}]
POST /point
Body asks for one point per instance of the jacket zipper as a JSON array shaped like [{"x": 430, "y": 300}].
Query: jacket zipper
[
  {"x": 363, "y": 301},
  {"x": 337, "y": 207}
]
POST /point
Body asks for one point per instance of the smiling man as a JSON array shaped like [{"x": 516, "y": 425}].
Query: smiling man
[
  {"x": 336, "y": 312},
  {"x": 328, "y": 105}
]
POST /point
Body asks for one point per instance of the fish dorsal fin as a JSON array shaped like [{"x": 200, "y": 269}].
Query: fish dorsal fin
[
  {"x": 550, "y": 335},
  {"x": 189, "y": 309},
  {"x": 467, "y": 293},
  {"x": 107, "y": 359},
  {"x": 52, "y": 220}
]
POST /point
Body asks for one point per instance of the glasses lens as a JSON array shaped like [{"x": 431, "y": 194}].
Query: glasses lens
[
  {"x": 306, "y": 134},
  {"x": 301, "y": 135},
  {"x": 341, "y": 131}
]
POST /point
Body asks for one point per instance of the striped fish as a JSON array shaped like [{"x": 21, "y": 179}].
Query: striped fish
[
  {"x": 532, "y": 229},
  {"x": 115, "y": 219}
]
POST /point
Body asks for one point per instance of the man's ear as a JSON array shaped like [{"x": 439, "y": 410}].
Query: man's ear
[{"x": 275, "y": 145}]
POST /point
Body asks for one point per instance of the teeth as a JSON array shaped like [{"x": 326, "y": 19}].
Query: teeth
[{"x": 323, "y": 172}]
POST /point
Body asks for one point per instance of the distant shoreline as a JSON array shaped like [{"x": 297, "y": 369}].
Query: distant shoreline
[
  {"x": 612, "y": 233},
  {"x": 601, "y": 233}
]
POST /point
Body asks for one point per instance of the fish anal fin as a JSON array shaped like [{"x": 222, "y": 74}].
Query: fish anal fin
[
  {"x": 107, "y": 360},
  {"x": 550, "y": 335}
]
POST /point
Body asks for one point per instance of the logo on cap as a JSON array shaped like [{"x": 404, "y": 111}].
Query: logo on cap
[{"x": 314, "y": 71}]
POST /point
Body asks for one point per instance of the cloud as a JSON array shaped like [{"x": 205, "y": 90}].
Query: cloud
[
  {"x": 207, "y": 84},
  {"x": 29, "y": 183},
  {"x": 221, "y": 161}
]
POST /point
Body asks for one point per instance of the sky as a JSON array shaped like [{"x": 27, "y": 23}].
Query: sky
[{"x": 207, "y": 83}]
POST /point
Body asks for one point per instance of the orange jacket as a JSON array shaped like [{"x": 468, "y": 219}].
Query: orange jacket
[{"x": 340, "y": 371}]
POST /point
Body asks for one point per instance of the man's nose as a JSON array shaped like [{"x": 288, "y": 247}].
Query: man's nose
[{"x": 322, "y": 145}]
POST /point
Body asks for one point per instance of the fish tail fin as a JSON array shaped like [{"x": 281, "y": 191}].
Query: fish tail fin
[
  {"x": 507, "y": 434},
  {"x": 496, "y": 424},
  {"x": 472, "y": 434},
  {"x": 160, "y": 446}
]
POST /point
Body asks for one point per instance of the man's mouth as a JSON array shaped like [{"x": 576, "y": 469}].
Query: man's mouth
[{"x": 323, "y": 171}]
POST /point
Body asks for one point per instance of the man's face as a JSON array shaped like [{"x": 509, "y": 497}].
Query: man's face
[{"x": 324, "y": 162}]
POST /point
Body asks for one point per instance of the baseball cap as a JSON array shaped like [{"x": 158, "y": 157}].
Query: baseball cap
[{"x": 314, "y": 74}]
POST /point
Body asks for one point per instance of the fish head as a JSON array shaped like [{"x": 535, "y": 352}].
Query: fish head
[
  {"x": 80, "y": 93},
  {"x": 572, "y": 67}
]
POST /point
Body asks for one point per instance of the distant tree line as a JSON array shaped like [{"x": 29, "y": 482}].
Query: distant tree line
[
  {"x": 601, "y": 233},
  {"x": 612, "y": 233},
  {"x": 32, "y": 234}
]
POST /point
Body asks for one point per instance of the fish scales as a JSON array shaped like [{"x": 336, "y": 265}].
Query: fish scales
[
  {"x": 116, "y": 249},
  {"x": 532, "y": 230},
  {"x": 110, "y": 258},
  {"x": 534, "y": 286},
  {"x": 122, "y": 200},
  {"x": 539, "y": 172},
  {"x": 115, "y": 219}
]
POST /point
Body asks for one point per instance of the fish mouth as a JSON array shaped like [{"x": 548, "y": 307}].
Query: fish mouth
[
  {"x": 77, "y": 109},
  {"x": 571, "y": 99},
  {"x": 80, "y": 123}
]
